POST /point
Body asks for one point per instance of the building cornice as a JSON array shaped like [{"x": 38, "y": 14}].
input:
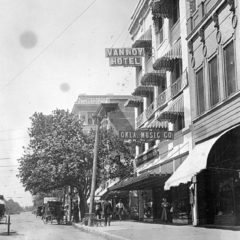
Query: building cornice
[{"x": 141, "y": 9}]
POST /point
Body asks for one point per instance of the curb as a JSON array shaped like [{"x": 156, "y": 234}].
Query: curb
[{"x": 106, "y": 235}]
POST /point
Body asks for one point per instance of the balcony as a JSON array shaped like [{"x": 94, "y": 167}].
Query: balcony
[
  {"x": 205, "y": 9},
  {"x": 163, "y": 98},
  {"x": 145, "y": 115}
]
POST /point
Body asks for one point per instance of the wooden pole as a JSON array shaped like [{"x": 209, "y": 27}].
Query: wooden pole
[{"x": 94, "y": 175}]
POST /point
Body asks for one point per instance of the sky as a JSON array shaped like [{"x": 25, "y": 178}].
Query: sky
[{"x": 50, "y": 52}]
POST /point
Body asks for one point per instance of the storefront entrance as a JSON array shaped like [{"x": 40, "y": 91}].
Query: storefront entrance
[{"x": 219, "y": 184}]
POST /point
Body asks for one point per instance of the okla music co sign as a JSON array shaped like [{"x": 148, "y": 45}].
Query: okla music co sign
[
  {"x": 127, "y": 57},
  {"x": 146, "y": 135}
]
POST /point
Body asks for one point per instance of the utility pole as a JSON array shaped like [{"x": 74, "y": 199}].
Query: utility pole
[{"x": 94, "y": 174}]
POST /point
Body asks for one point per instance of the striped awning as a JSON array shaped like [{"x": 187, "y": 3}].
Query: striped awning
[
  {"x": 161, "y": 9},
  {"x": 173, "y": 111},
  {"x": 133, "y": 102},
  {"x": 155, "y": 123},
  {"x": 145, "y": 41},
  {"x": 153, "y": 79},
  {"x": 143, "y": 91},
  {"x": 167, "y": 60}
]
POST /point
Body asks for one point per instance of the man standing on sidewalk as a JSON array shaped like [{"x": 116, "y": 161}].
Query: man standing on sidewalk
[
  {"x": 107, "y": 211},
  {"x": 120, "y": 209}
]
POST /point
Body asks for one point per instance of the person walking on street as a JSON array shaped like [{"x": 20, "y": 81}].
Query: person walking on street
[
  {"x": 107, "y": 211},
  {"x": 120, "y": 209},
  {"x": 98, "y": 210}
]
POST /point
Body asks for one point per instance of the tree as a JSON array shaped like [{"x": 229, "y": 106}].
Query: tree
[
  {"x": 58, "y": 155},
  {"x": 115, "y": 156}
]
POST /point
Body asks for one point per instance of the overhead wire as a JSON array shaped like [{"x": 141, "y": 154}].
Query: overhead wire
[{"x": 48, "y": 46}]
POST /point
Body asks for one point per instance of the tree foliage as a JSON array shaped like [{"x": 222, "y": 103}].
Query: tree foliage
[{"x": 59, "y": 155}]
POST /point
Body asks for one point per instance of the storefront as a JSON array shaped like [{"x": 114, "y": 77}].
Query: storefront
[
  {"x": 147, "y": 192},
  {"x": 213, "y": 168}
]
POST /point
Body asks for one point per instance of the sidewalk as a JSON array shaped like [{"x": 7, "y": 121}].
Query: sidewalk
[{"x": 130, "y": 230}]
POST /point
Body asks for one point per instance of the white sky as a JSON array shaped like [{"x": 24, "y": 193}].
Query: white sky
[{"x": 65, "y": 48}]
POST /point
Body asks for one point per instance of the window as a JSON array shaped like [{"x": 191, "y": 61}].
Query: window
[
  {"x": 213, "y": 82},
  {"x": 200, "y": 92},
  {"x": 177, "y": 70},
  {"x": 229, "y": 64},
  {"x": 159, "y": 30},
  {"x": 175, "y": 11},
  {"x": 179, "y": 123}
]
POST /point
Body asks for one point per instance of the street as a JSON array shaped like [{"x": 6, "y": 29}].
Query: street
[{"x": 26, "y": 226}]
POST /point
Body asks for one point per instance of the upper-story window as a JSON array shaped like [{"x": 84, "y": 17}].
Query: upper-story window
[
  {"x": 177, "y": 70},
  {"x": 213, "y": 82},
  {"x": 159, "y": 30},
  {"x": 175, "y": 11},
  {"x": 200, "y": 92},
  {"x": 229, "y": 65}
]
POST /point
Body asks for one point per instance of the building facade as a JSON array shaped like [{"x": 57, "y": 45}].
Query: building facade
[
  {"x": 214, "y": 164},
  {"x": 162, "y": 82},
  {"x": 86, "y": 107}
]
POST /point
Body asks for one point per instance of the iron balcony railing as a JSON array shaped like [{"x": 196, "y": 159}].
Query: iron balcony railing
[{"x": 163, "y": 98}]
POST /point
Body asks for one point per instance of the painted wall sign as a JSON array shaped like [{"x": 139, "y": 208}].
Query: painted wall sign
[
  {"x": 127, "y": 57},
  {"x": 146, "y": 135}
]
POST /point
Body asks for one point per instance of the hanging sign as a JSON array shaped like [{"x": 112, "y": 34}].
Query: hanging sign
[
  {"x": 127, "y": 57},
  {"x": 147, "y": 135}
]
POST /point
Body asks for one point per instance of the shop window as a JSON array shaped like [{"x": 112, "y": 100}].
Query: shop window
[
  {"x": 229, "y": 63},
  {"x": 213, "y": 81},
  {"x": 175, "y": 11},
  {"x": 159, "y": 30},
  {"x": 200, "y": 92},
  {"x": 225, "y": 202}
]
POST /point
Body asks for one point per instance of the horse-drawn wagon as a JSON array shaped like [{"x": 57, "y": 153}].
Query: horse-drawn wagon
[
  {"x": 53, "y": 211},
  {"x": 4, "y": 219}
]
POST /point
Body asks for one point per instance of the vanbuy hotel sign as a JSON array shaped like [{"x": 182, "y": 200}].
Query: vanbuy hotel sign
[{"x": 126, "y": 57}]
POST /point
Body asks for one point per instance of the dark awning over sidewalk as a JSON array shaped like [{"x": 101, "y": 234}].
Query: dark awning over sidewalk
[{"x": 144, "y": 181}]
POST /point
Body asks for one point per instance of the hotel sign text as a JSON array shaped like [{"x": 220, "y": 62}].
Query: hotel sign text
[
  {"x": 127, "y": 57},
  {"x": 146, "y": 135}
]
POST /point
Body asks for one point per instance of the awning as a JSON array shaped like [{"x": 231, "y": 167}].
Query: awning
[
  {"x": 157, "y": 124},
  {"x": 143, "y": 91},
  {"x": 168, "y": 59},
  {"x": 194, "y": 163},
  {"x": 161, "y": 8},
  {"x": 173, "y": 111},
  {"x": 153, "y": 79},
  {"x": 133, "y": 103},
  {"x": 144, "y": 181},
  {"x": 145, "y": 41}
]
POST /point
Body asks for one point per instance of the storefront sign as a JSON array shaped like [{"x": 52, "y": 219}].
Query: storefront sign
[
  {"x": 127, "y": 57},
  {"x": 146, "y": 135}
]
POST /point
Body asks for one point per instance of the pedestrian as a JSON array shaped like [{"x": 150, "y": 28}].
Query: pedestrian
[
  {"x": 165, "y": 206},
  {"x": 120, "y": 209},
  {"x": 98, "y": 210},
  {"x": 75, "y": 212},
  {"x": 107, "y": 211}
]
